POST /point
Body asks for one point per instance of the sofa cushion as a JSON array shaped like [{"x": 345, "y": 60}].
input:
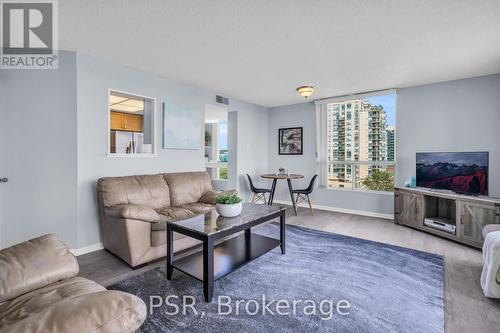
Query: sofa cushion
[
  {"x": 210, "y": 196},
  {"x": 73, "y": 305},
  {"x": 33, "y": 264},
  {"x": 148, "y": 190},
  {"x": 134, "y": 212},
  {"x": 169, "y": 214},
  {"x": 187, "y": 187},
  {"x": 198, "y": 208}
]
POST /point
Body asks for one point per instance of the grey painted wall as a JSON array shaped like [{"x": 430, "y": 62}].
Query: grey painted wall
[
  {"x": 305, "y": 115},
  {"x": 460, "y": 115},
  {"x": 94, "y": 78},
  {"x": 38, "y": 153}
]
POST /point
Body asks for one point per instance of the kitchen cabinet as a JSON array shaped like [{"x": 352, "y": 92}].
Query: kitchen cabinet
[{"x": 121, "y": 121}]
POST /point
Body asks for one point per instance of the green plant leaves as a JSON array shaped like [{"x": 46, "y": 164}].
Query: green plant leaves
[{"x": 228, "y": 199}]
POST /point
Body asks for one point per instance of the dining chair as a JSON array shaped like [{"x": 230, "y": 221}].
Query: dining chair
[
  {"x": 258, "y": 193},
  {"x": 303, "y": 194}
]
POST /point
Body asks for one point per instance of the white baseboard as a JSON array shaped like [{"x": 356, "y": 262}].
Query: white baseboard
[
  {"x": 87, "y": 249},
  {"x": 342, "y": 210}
]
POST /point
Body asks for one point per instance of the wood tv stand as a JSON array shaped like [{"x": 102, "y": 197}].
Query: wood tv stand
[{"x": 468, "y": 213}]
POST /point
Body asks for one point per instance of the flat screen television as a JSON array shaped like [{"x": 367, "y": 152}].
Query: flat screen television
[{"x": 465, "y": 173}]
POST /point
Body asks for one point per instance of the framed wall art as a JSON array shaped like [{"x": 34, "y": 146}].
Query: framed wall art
[{"x": 290, "y": 141}]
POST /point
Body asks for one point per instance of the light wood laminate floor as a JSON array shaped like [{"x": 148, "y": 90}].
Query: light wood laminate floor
[{"x": 466, "y": 309}]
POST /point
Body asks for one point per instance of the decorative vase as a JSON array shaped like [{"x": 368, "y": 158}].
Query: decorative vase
[{"x": 229, "y": 210}]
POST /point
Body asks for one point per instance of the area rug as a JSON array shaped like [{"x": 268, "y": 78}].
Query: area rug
[{"x": 324, "y": 283}]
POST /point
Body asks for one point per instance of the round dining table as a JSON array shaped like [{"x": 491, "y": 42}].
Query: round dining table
[{"x": 288, "y": 178}]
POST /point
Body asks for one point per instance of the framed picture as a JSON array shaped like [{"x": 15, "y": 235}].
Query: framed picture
[
  {"x": 290, "y": 141},
  {"x": 181, "y": 128}
]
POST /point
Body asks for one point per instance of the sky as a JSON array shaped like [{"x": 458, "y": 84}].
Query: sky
[{"x": 388, "y": 102}]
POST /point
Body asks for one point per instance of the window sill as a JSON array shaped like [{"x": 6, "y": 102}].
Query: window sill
[{"x": 358, "y": 191}]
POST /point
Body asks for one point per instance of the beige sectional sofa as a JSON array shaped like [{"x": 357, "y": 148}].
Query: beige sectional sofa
[
  {"x": 40, "y": 292},
  {"x": 134, "y": 211}
]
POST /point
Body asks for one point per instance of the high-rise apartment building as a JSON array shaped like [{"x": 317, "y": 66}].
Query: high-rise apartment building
[
  {"x": 390, "y": 143},
  {"x": 357, "y": 131}
]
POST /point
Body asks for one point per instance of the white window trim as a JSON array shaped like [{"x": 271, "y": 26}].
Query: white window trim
[
  {"x": 153, "y": 125},
  {"x": 321, "y": 137}
]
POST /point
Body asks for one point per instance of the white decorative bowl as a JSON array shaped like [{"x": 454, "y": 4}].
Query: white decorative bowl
[{"x": 229, "y": 210}]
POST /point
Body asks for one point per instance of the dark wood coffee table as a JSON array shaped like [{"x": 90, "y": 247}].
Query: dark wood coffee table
[{"x": 218, "y": 260}]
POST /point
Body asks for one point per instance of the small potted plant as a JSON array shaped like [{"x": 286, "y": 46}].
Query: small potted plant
[{"x": 228, "y": 204}]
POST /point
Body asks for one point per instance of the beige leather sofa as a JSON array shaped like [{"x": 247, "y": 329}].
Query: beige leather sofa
[
  {"x": 40, "y": 292},
  {"x": 134, "y": 211}
]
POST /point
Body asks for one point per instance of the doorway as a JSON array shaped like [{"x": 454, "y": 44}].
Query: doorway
[{"x": 220, "y": 146}]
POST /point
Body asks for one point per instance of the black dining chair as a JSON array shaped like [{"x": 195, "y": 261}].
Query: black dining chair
[
  {"x": 303, "y": 194},
  {"x": 258, "y": 193}
]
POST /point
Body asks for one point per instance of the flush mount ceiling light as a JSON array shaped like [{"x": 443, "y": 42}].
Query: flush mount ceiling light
[{"x": 305, "y": 91}]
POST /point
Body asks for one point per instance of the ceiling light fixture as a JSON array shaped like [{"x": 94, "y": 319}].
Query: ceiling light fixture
[{"x": 305, "y": 91}]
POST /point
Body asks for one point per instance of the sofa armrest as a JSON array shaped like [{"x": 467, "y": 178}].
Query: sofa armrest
[
  {"x": 134, "y": 212},
  {"x": 34, "y": 264},
  {"x": 209, "y": 196},
  {"x": 97, "y": 312},
  {"x": 490, "y": 228}
]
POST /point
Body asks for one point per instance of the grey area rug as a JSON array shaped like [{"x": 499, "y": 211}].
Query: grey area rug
[{"x": 388, "y": 288}]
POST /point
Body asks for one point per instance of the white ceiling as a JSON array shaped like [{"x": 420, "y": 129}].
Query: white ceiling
[{"x": 260, "y": 51}]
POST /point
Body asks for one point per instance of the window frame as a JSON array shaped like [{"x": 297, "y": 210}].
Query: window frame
[
  {"x": 322, "y": 134},
  {"x": 153, "y": 125}
]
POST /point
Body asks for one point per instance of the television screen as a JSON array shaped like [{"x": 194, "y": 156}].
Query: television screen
[{"x": 460, "y": 172}]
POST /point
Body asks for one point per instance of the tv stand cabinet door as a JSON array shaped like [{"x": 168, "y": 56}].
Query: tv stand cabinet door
[
  {"x": 473, "y": 217},
  {"x": 409, "y": 209}
]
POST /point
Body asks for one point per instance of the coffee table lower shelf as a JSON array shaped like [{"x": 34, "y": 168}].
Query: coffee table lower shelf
[{"x": 229, "y": 255}]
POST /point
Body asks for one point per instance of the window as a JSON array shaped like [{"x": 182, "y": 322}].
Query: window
[
  {"x": 131, "y": 124},
  {"x": 368, "y": 130}
]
